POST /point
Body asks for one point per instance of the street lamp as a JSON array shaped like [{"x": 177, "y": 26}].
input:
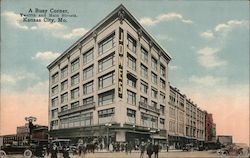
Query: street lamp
[
  {"x": 30, "y": 119},
  {"x": 108, "y": 125}
]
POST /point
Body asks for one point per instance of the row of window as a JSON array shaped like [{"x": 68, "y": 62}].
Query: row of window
[
  {"x": 104, "y": 46},
  {"x": 106, "y": 116}
]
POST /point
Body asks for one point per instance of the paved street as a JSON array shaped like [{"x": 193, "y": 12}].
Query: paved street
[{"x": 171, "y": 154}]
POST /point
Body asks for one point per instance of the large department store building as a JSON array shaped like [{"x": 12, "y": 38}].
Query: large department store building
[{"x": 112, "y": 85}]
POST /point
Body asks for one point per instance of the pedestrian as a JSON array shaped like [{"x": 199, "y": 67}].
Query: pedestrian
[
  {"x": 53, "y": 151},
  {"x": 129, "y": 146},
  {"x": 156, "y": 149},
  {"x": 142, "y": 149},
  {"x": 111, "y": 147},
  {"x": 167, "y": 147},
  {"x": 65, "y": 151},
  {"x": 79, "y": 149},
  {"x": 149, "y": 149}
]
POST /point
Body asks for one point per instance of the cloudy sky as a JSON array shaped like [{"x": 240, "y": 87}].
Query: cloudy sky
[{"x": 208, "y": 42}]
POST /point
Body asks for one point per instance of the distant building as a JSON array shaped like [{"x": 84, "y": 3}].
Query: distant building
[
  {"x": 210, "y": 128},
  {"x": 225, "y": 139},
  {"x": 22, "y": 136}
]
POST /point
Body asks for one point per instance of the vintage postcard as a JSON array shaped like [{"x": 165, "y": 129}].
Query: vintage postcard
[{"x": 124, "y": 78}]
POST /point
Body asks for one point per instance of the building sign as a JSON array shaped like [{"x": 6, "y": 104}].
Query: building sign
[{"x": 120, "y": 62}]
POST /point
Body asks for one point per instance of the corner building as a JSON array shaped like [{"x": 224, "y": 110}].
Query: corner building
[{"x": 111, "y": 85}]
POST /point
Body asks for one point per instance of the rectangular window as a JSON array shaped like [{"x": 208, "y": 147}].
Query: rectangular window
[
  {"x": 88, "y": 72},
  {"x": 162, "y": 109},
  {"x": 144, "y": 71},
  {"x": 131, "y": 62},
  {"x": 75, "y": 105},
  {"x": 64, "y": 98},
  {"x": 55, "y": 78},
  {"x": 64, "y": 72},
  {"x": 75, "y": 65},
  {"x": 162, "y": 98},
  {"x": 54, "y": 102},
  {"x": 106, "y": 80},
  {"x": 131, "y": 116},
  {"x": 144, "y": 87},
  {"x": 154, "y": 93},
  {"x": 143, "y": 100},
  {"x": 154, "y": 78},
  {"x": 162, "y": 123},
  {"x": 54, "y": 90},
  {"x": 54, "y": 113},
  {"x": 149, "y": 120},
  {"x": 106, "y": 62},
  {"x": 64, "y": 85},
  {"x": 162, "y": 84},
  {"x": 106, "y": 115},
  {"x": 131, "y": 81},
  {"x": 75, "y": 79},
  {"x": 106, "y": 98},
  {"x": 107, "y": 44},
  {"x": 154, "y": 64},
  {"x": 75, "y": 93},
  {"x": 163, "y": 71},
  {"x": 88, "y": 87},
  {"x": 88, "y": 100},
  {"x": 88, "y": 56},
  {"x": 131, "y": 98},
  {"x": 64, "y": 108},
  {"x": 154, "y": 104},
  {"x": 144, "y": 55},
  {"x": 131, "y": 44}
]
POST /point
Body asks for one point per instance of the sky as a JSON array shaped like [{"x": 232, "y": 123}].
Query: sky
[{"x": 207, "y": 40}]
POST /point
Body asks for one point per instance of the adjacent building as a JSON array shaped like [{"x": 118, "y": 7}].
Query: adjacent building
[
  {"x": 210, "y": 128},
  {"x": 112, "y": 86}
]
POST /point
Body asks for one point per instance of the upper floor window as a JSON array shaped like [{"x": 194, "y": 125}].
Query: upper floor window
[
  {"x": 144, "y": 71},
  {"x": 64, "y": 98},
  {"x": 55, "y": 78},
  {"x": 154, "y": 78},
  {"x": 154, "y": 93},
  {"x": 88, "y": 56},
  {"x": 163, "y": 84},
  {"x": 162, "y": 109},
  {"x": 54, "y": 102},
  {"x": 75, "y": 79},
  {"x": 64, "y": 72},
  {"x": 88, "y": 88},
  {"x": 107, "y": 44},
  {"x": 144, "y": 87},
  {"x": 64, "y": 85},
  {"x": 106, "y": 98},
  {"x": 163, "y": 71},
  {"x": 131, "y": 98},
  {"x": 144, "y": 55},
  {"x": 144, "y": 100},
  {"x": 54, "y": 90},
  {"x": 154, "y": 64},
  {"x": 88, "y": 100},
  {"x": 106, "y": 62},
  {"x": 75, "y": 65},
  {"x": 106, "y": 115},
  {"x": 162, "y": 98},
  {"x": 131, "y": 115},
  {"x": 131, "y": 81},
  {"x": 131, "y": 62},
  {"x": 106, "y": 80},
  {"x": 131, "y": 44},
  {"x": 75, "y": 105},
  {"x": 75, "y": 93},
  {"x": 88, "y": 72}
]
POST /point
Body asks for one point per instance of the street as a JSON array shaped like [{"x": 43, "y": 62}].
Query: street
[{"x": 164, "y": 154}]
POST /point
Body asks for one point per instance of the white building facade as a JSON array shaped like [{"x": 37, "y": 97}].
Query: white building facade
[{"x": 112, "y": 83}]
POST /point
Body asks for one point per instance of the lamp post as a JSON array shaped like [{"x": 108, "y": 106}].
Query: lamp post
[
  {"x": 30, "y": 119},
  {"x": 108, "y": 125}
]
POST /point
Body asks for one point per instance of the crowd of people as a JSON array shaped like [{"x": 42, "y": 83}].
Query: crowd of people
[{"x": 145, "y": 148}]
